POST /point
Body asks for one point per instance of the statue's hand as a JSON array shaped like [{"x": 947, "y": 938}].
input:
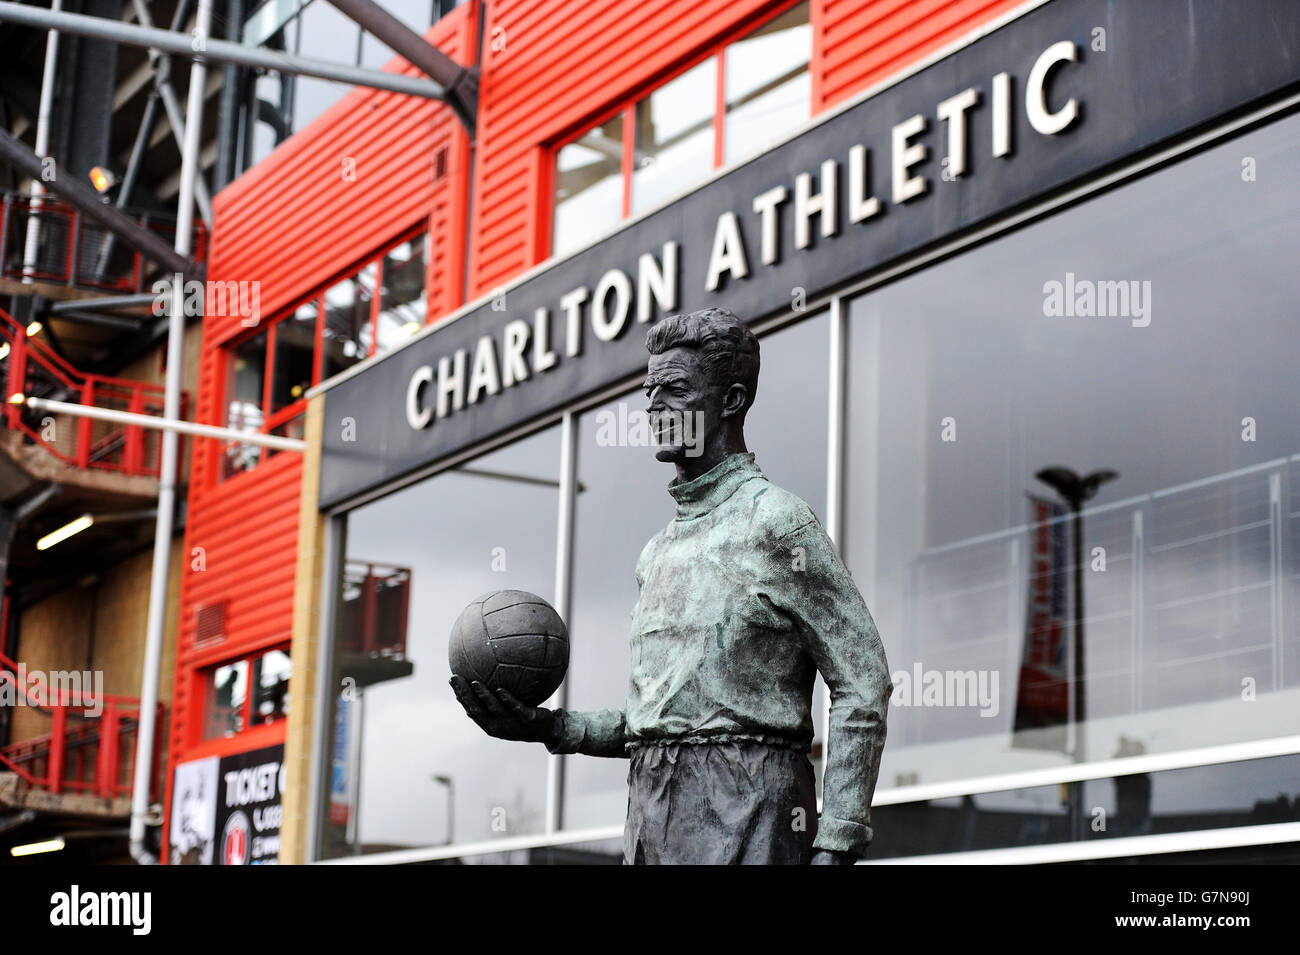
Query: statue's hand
[
  {"x": 825, "y": 857},
  {"x": 501, "y": 715}
]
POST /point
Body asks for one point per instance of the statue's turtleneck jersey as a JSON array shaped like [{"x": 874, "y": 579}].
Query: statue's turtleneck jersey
[{"x": 743, "y": 599}]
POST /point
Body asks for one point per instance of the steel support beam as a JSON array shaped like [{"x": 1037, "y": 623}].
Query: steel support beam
[
  {"x": 162, "y": 68},
  {"x": 16, "y": 153},
  {"x": 460, "y": 82},
  {"x": 105, "y": 303},
  {"x": 216, "y": 51}
]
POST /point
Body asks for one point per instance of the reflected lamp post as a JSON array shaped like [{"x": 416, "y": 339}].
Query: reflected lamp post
[
  {"x": 1076, "y": 490},
  {"x": 451, "y": 803}
]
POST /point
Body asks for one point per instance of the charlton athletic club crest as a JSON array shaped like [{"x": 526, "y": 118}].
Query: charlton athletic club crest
[{"x": 234, "y": 840}]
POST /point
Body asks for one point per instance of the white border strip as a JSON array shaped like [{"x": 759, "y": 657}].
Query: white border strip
[
  {"x": 1103, "y": 769},
  {"x": 1195, "y": 841},
  {"x": 539, "y": 841}
]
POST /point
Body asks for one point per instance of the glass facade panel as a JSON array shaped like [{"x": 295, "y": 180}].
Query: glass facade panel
[
  {"x": 402, "y": 302},
  {"x": 223, "y": 706},
  {"x": 347, "y": 323},
  {"x": 1221, "y": 796},
  {"x": 247, "y": 375},
  {"x": 674, "y": 136},
  {"x": 769, "y": 90},
  {"x": 295, "y": 341},
  {"x": 588, "y": 187},
  {"x": 402, "y": 742},
  {"x": 970, "y": 378}
]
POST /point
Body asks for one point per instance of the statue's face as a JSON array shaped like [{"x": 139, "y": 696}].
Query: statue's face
[{"x": 685, "y": 406}]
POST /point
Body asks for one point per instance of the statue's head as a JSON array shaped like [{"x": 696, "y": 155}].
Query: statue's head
[{"x": 701, "y": 380}]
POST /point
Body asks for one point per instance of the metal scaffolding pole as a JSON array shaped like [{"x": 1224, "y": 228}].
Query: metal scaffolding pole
[
  {"x": 162, "y": 541},
  {"x": 216, "y": 51},
  {"x": 32, "y": 245},
  {"x": 171, "y": 103},
  {"x": 274, "y": 441},
  {"x": 79, "y": 194}
]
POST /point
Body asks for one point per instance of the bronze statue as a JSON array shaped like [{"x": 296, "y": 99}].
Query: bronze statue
[{"x": 743, "y": 599}]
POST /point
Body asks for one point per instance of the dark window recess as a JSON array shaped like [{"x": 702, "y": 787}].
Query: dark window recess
[{"x": 440, "y": 164}]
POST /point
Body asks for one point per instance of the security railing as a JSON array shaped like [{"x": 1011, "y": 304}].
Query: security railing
[
  {"x": 33, "y": 369},
  {"x": 90, "y": 747},
  {"x": 72, "y": 249}
]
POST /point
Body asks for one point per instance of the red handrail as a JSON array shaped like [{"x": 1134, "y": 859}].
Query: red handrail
[
  {"x": 61, "y": 760},
  {"x": 127, "y": 449}
]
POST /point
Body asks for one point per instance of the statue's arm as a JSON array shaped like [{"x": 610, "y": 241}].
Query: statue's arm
[
  {"x": 842, "y": 640},
  {"x": 592, "y": 733}
]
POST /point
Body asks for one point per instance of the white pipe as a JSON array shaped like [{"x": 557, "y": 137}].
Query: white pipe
[
  {"x": 166, "y": 424},
  {"x": 48, "y": 77},
  {"x": 162, "y": 541}
]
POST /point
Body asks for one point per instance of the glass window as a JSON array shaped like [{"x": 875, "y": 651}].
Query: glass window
[
  {"x": 623, "y": 503},
  {"x": 226, "y": 692},
  {"x": 410, "y": 768},
  {"x": 246, "y": 377},
  {"x": 971, "y": 378},
  {"x": 347, "y": 322},
  {"x": 674, "y": 136},
  {"x": 588, "y": 186},
  {"x": 402, "y": 303},
  {"x": 295, "y": 340},
  {"x": 271, "y": 673},
  {"x": 769, "y": 90}
]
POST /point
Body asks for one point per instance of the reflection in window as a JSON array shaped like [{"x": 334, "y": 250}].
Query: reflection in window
[
  {"x": 226, "y": 692},
  {"x": 1190, "y": 573},
  {"x": 769, "y": 90},
  {"x": 674, "y": 136},
  {"x": 295, "y": 340},
  {"x": 246, "y": 375},
  {"x": 588, "y": 186},
  {"x": 347, "y": 322},
  {"x": 402, "y": 743},
  {"x": 271, "y": 673},
  {"x": 402, "y": 302}
]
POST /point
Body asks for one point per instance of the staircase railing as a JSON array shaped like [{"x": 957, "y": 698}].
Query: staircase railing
[
  {"x": 90, "y": 746},
  {"x": 30, "y": 367}
]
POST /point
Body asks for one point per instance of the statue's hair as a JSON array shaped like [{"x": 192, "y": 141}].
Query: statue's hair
[{"x": 729, "y": 350}]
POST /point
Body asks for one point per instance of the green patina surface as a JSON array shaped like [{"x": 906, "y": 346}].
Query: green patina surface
[{"x": 743, "y": 599}]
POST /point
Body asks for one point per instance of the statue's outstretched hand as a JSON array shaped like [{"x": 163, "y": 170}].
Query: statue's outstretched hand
[{"x": 501, "y": 715}]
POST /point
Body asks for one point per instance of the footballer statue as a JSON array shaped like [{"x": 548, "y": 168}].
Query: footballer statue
[{"x": 743, "y": 600}]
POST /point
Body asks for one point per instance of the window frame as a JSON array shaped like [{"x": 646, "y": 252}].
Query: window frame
[
  {"x": 271, "y": 422},
  {"x": 627, "y": 106}
]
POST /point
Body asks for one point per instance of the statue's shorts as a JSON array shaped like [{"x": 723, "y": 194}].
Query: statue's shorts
[{"x": 733, "y": 802}]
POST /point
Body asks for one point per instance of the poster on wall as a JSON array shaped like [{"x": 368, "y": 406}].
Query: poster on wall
[
  {"x": 194, "y": 810},
  {"x": 249, "y": 810},
  {"x": 226, "y": 810}
]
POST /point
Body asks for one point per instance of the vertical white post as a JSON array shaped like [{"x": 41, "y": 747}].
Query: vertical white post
[
  {"x": 167, "y": 466},
  {"x": 49, "y": 75},
  {"x": 834, "y": 463},
  {"x": 563, "y": 598}
]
